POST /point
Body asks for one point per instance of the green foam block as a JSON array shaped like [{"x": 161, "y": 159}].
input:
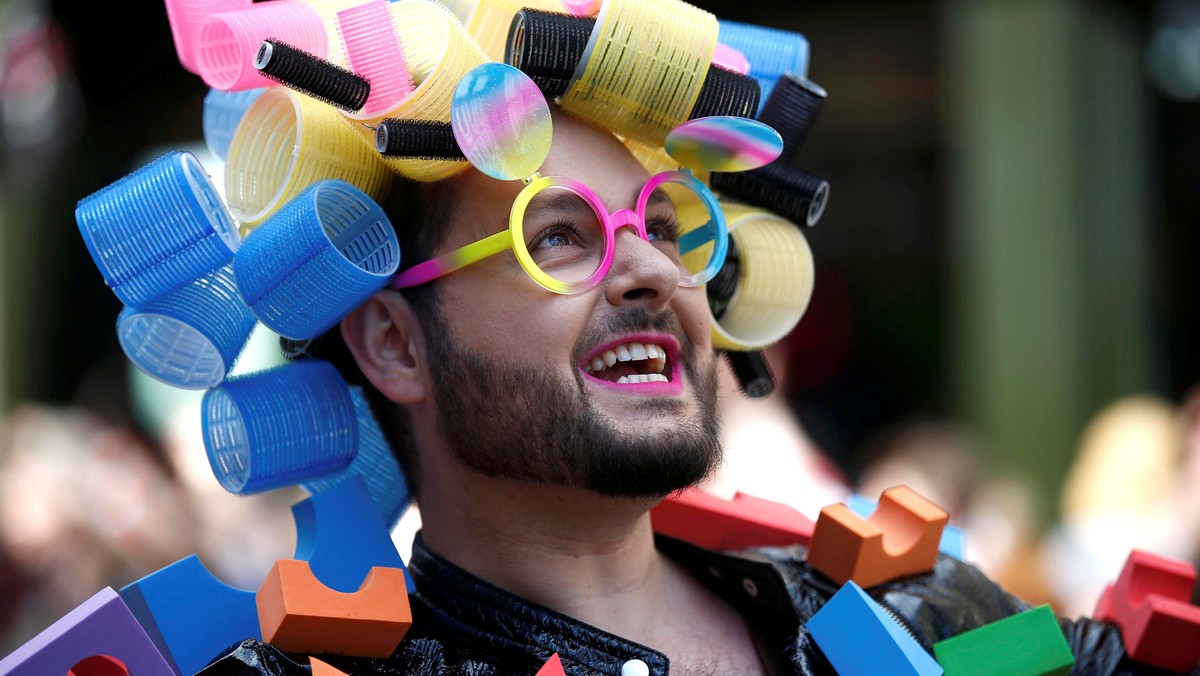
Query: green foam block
[{"x": 1027, "y": 644}]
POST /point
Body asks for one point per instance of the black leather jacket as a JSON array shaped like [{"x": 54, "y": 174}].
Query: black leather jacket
[{"x": 463, "y": 625}]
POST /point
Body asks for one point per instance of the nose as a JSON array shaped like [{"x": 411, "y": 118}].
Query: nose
[{"x": 640, "y": 273}]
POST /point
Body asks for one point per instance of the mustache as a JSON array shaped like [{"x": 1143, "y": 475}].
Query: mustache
[{"x": 633, "y": 320}]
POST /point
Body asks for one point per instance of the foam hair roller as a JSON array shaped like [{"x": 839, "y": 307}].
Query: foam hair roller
[
  {"x": 753, "y": 373},
  {"x": 375, "y": 463},
  {"x": 191, "y": 337},
  {"x": 325, "y": 252},
  {"x": 773, "y": 284},
  {"x": 731, "y": 59},
  {"x": 286, "y": 142},
  {"x": 555, "y": 48},
  {"x": 186, "y": 18},
  {"x": 771, "y": 52},
  {"x": 260, "y": 432},
  {"x": 792, "y": 110},
  {"x": 220, "y": 117},
  {"x": 311, "y": 75},
  {"x": 489, "y": 22},
  {"x": 427, "y": 139},
  {"x": 158, "y": 228},
  {"x": 373, "y": 50},
  {"x": 792, "y": 193},
  {"x": 439, "y": 52},
  {"x": 228, "y": 41}
]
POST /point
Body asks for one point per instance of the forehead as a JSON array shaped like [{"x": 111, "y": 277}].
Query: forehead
[{"x": 592, "y": 156}]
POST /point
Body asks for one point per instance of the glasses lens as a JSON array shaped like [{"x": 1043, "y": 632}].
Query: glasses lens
[
  {"x": 680, "y": 217},
  {"x": 563, "y": 234}
]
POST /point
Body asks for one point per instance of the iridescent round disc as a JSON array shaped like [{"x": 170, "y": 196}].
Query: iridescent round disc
[
  {"x": 501, "y": 121},
  {"x": 723, "y": 143}
]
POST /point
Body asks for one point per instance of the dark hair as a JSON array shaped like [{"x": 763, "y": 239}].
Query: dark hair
[{"x": 419, "y": 213}]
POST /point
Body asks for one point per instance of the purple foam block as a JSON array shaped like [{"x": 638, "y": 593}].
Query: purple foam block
[{"x": 102, "y": 625}]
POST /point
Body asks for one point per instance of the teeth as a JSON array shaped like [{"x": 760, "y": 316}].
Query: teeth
[
  {"x": 609, "y": 357},
  {"x": 637, "y": 351},
  {"x": 643, "y": 378},
  {"x": 597, "y": 364},
  {"x": 623, "y": 353}
]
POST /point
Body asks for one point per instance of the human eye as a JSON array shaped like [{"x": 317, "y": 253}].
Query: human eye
[
  {"x": 559, "y": 234},
  {"x": 663, "y": 229}
]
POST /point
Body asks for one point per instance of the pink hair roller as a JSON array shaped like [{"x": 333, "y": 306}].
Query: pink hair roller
[
  {"x": 228, "y": 41},
  {"x": 731, "y": 59},
  {"x": 581, "y": 7},
  {"x": 186, "y": 18},
  {"x": 373, "y": 51}
]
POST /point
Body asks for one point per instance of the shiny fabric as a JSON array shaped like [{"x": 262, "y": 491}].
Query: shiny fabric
[{"x": 465, "y": 626}]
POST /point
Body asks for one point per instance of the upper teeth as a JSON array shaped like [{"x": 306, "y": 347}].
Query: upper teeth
[{"x": 655, "y": 356}]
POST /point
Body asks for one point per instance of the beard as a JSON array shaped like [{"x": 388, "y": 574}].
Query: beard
[{"x": 528, "y": 424}]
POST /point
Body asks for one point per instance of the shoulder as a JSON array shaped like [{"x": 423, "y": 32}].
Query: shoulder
[{"x": 416, "y": 656}]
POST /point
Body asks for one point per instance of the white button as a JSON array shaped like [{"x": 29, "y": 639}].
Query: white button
[
  {"x": 635, "y": 668},
  {"x": 749, "y": 587}
]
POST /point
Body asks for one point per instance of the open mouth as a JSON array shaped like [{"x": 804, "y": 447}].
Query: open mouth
[{"x": 631, "y": 362}]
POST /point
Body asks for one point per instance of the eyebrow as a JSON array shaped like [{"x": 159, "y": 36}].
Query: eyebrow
[{"x": 559, "y": 201}]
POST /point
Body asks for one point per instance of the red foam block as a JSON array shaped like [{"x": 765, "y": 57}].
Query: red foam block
[
  {"x": 745, "y": 521},
  {"x": 1150, "y": 602}
]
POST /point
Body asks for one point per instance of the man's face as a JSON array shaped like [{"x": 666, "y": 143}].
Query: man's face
[{"x": 525, "y": 381}]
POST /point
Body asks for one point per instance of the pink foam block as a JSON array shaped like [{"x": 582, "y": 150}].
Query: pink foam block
[
  {"x": 372, "y": 47},
  {"x": 552, "y": 667},
  {"x": 228, "y": 41},
  {"x": 1150, "y": 602},
  {"x": 187, "y": 16},
  {"x": 100, "y": 627},
  {"x": 715, "y": 523}
]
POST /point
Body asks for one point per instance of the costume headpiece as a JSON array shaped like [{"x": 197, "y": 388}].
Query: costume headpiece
[{"x": 317, "y": 107}]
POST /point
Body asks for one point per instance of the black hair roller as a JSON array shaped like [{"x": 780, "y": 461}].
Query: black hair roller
[
  {"x": 726, "y": 92},
  {"x": 417, "y": 139},
  {"x": 547, "y": 46},
  {"x": 792, "y": 109},
  {"x": 783, "y": 189},
  {"x": 317, "y": 77},
  {"x": 724, "y": 284},
  {"x": 753, "y": 373}
]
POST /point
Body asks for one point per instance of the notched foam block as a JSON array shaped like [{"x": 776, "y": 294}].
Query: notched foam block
[
  {"x": 953, "y": 542},
  {"x": 858, "y": 636},
  {"x": 1026, "y": 644},
  {"x": 100, "y": 626},
  {"x": 1151, "y": 604},
  {"x": 715, "y": 523},
  {"x": 298, "y": 613},
  {"x": 900, "y": 538}
]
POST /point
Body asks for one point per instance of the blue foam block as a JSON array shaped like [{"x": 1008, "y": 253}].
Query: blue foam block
[
  {"x": 859, "y": 637},
  {"x": 953, "y": 543},
  {"x": 342, "y": 535},
  {"x": 190, "y": 614}
]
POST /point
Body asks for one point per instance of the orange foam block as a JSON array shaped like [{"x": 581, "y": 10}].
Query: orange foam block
[
  {"x": 1151, "y": 603},
  {"x": 297, "y": 613},
  {"x": 715, "y": 523},
  {"x": 901, "y": 537},
  {"x": 552, "y": 667},
  {"x": 320, "y": 668}
]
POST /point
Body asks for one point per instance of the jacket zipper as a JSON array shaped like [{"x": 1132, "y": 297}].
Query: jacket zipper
[{"x": 830, "y": 590}]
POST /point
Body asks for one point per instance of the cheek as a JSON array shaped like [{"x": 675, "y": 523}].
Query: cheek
[{"x": 525, "y": 325}]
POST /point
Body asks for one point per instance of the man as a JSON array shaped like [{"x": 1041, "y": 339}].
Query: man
[{"x": 535, "y": 471}]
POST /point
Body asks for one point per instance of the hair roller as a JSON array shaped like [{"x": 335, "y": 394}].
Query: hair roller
[
  {"x": 792, "y": 193},
  {"x": 726, "y": 93},
  {"x": 228, "y": 41},
  {"x": 792, "y": 109},
  {"x": 373, "y": 50},
  {"x": 547, "y": 46},
  {"x": 754, "y": 375},
  {"x": 490, "y": 21},
  {"x": 311, "y": 75},
  {"x": 423, "y": 139},
  {"x": 644, "y": 67}
]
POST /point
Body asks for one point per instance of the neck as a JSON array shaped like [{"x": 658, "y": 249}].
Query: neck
[{"x": 587, "y": 556}]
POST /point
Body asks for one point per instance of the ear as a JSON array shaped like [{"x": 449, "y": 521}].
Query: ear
[{"x": 385, "y": 338}]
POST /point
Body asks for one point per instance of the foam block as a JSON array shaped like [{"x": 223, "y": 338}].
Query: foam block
[
  {"x": 552, "y": 667},
  {"x": 1026, "y": 644},
  {"x": 320, "y": 668},
  {"x": 715, "y": 523},
  {"x": 300, "y": 614},
  {"x": 190, "y": 614},
  {"x": 100, "y": 626},
  {"x": 859, "y": 637},
  {"x": 953, "y": 542},
  {"x": 1150, "y": 602},
  {"x": 900, "y": 538},
  {"x": 342, "y": 535}
]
